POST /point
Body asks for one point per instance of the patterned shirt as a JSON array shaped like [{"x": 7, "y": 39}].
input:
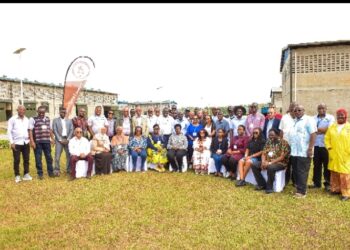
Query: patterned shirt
[
  {"x": 178, "y": 141},
  {"x": 138, "y": 142},
  {"x": 274, "y": 149},
  {"x": 299, "y": 135},
  {"x": 79, "y": 122}
]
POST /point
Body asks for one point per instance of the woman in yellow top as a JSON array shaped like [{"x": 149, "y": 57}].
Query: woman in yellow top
[
  {"x": 337, "y": 141},
  {"x": 156, "y": 149}
]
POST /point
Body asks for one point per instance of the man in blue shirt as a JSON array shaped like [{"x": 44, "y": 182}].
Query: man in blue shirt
[
  {"x": 323, "y": 121},
  {"x": 222, "y": 123}
]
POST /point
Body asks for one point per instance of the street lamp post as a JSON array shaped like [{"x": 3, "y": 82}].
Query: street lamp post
[{"x": 19, "y": 51}]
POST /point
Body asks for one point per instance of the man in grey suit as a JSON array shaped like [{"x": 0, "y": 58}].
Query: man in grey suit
[
  {"x": 126, "y": 122},
  {"x": 63, "y": 131}
]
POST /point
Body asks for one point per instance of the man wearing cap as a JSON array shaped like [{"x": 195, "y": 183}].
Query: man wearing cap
[{"x": 254, "y": 119}]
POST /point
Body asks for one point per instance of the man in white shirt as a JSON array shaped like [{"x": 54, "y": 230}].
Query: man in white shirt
[
  {"x": 62, "y": 128},
  {"x": 79, "y": 149},
  {"x": 151, "y": 119},
  {"x": 184, "y": 123},
  {"x": 239, "y": 119},
  {"x": 287, "y": 122},
  {"x": 17, "y": 131},
  {"x": 97, "y": 121},
  {"x": 166, "y": 125}
]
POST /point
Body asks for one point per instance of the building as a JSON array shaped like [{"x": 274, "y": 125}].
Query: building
[
  {"x": 276, "y": 98},
  {"x": 146, "y": 105},
  {"x": 317, "y": 72},
  {"x": 36, "y": 94}
]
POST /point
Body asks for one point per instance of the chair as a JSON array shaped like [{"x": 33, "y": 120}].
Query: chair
[
  {"x": 129, "y": 165},
  {"x": 212, "y": 169},
  {"x": 278, "y": 184},
  {"x": 81, "y": 169},
  {"x": 184, "y": 164}
]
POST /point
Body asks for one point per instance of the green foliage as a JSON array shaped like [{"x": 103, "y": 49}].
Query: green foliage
[
  {"x": 161, "y": 211},
  {"x": 4, "y": 144}
]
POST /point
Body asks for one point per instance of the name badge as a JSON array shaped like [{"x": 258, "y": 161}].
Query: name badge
[
  {"x": 219, "y": 151},
  {"x": 194, "y": 133},
  {"x": 235, "y": 146},
  {"x": 251, "y": 125},
  {"x": 270, "y": 154},
  {"x": 43, "y": 127}
]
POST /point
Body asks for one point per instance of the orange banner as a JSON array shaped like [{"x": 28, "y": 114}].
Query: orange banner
[{"x": 71, "y": 94}]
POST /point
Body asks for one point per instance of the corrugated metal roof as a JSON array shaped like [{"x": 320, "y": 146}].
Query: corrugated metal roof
[{"x": 60, "y": 85}]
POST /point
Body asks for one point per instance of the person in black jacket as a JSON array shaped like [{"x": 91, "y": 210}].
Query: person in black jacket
[{"x": 218, "y": 148}]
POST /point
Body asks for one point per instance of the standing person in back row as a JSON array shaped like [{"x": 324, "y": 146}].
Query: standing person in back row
[
  {"x": 18, "y": 135},
  {"x": 323, "y": 121},
  {"x": 254, "y": 119},
  {"x": 40, "y": 137},
  {"x": 97, "y": 121},
  {"x": 62, "y": 128},
  {"x": 302, "y": 139}
]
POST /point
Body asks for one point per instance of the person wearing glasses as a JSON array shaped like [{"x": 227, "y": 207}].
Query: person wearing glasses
[
  {"x": 337, "y": 142},
  {"x": 191, "y": 134},
  {"x": 156, "y": 149},
  {"x": 111, "y": 125},
  {"x": 79, "y": 149},
  {"x": 270, "y": 122},
  {"x": 302, "y": 138},
  {"x": 274, "y": 158},
  {"x": 254, "y": 119},
  {"x": 252, "y": 155},
  {"x": 201, "y": 153},
  {"x": 41, "y": 138}
]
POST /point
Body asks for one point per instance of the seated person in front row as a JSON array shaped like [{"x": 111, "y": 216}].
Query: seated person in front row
[
  {"x": 101, "y": 152},
  {"x": 137, "y": 146},
  {"x": 79, "y": 149},
  {"x": 177, "y": 148},
  {"x": 201, "y": 153},
  {"x": 274, "y": 158},
  {"x": 252, "y": 155},
  {"x": 235, "y": 152},
  {"x": 156, "y": 149},
  {"x": 218, "y": 149},
  {"x": 120, "y": 151}
]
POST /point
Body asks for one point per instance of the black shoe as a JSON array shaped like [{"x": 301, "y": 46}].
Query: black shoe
[
  {"x": 71, "y": 178},
  {"x": 259, "y": 188},
  {"x": 345, "y": 198},
  {"x": 268, "y": 191},
  {"x": 41, "y": 177},
  {"x": 327, "y": 188},
  {"x": 88, "y": 176},
  {"x": 334, "y": 193},
  {"x": 313, "y": 186},
  {"x": 52, "y": 175},
  {"x": 240, "y": 183}
]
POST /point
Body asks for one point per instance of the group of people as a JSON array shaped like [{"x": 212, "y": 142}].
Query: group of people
[{"x": 236, "y": 143}]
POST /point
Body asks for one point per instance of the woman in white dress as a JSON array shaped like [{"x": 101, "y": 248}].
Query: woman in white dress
[{"x": 201, "y": 154}]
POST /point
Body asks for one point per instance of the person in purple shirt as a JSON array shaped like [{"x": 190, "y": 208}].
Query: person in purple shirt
[{"x": 254, "y": 119}]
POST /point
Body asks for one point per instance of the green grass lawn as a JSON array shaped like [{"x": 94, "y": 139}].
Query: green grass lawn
[{"x": 167, "y": 210}]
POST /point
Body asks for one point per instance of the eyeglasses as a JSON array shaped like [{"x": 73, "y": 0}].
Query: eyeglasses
[
  {"x": 78, "y": 132},
  {"x": 255, "y": 133}
]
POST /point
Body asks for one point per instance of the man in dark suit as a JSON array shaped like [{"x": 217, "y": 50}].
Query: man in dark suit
[
  {"x": 63, "y": 130},
  {"x": 271, "y": 122}
]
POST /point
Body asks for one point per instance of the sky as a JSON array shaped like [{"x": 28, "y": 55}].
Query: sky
[{"x": 195, "y": 54}]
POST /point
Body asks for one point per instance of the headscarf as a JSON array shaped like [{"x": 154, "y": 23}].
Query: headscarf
[{"x": 344, "y": 112}]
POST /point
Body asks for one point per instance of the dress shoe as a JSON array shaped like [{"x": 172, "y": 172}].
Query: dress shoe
[{"x": 345, "y": 198}]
